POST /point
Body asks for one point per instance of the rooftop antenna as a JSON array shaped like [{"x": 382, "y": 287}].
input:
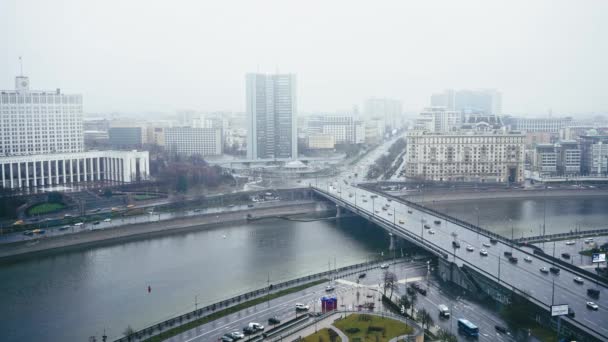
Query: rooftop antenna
[{"x": 21, "y": 65}]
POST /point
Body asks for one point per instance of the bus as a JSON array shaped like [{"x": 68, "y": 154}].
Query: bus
[{"x": 468, "y": 328}]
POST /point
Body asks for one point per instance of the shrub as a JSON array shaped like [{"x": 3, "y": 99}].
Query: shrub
[
  {"x": 373, "y": 328},
  {"x": 352, "y": 331}
]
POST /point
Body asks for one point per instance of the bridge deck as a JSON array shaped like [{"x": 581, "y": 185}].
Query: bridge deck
[{"x": 408, "y": 220}]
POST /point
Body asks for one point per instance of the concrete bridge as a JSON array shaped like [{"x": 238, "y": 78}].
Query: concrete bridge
[
  {"x": 493, "y": 273},
  {"x": 563, "y": 236}
]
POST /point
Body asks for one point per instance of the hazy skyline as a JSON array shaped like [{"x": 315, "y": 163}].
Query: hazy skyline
[{"x": 135, "y": 56}]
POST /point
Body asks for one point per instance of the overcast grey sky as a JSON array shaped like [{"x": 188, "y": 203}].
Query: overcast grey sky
[{"x": 145, "y": 55}]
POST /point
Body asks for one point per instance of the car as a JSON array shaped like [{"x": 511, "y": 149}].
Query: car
[
  {"x": 426, "y": 226},
  {"x": 78, "y": 224},
  {"x": 227, "y": 338},
  {"x": 566, "y": 255},
  {"x": 28, "y": 233},
  {"x": 409, "y": 211},
  {"x": 401, "y": 222},
  {"x": 256, "y": 326},
  {"x": 455, "y": 244},
  {"x": 593, "y": 293},
  {"x": 437, "y": 222},
  {"x": 588, "y": 240},
  {"x": 554, "y": 270},
  {"x": 249, "y": 205},
  {"x": 364, "y": 201},
  {"x": 64, "y": 227},
  {"x": 390, "y": 214},
  {"x": 513, "y": 259},
  {"x": 384, "y": 266},
  {"x": 592, "y": 306},
  {"x": 302, "y": 307},
  {"x": 237, "y": 335},
  {"x": 527, "y": 258},
  {"x": 377, "y": 211},
  {"x": 107, "y": 220},
  {"x": 493, "y": 241},
  {"x": 485, "y": 244},
  {"x": 431, "y": 232},
  {"x": 96, "y": 222},
  {"x": 329, "y": 288},
  {"x": 274, "y": 321},
  {"x": 470, "y": 248},
  {"x": 544, "y": 270},
  {"x": 248, "y": 330},
  {"x": 501, "y": 329},
  {"x": 421, "y": 290},
  {"x": 571, "y": 313},
  {"x": 508, "y": 254},
  {"x": 578, "y": 280},
  {"x": 361, "y": 275},
  {"x": 483, "y": 252},
  {"x": 569, "y": 243}
]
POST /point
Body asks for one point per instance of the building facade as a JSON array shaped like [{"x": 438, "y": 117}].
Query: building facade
[
  {"x": 321, "y": 141},
  {"x": 439, "y": 119},
  {"x": 389, "y": 111},
  {"x": 190, "y": 141},
  {"x": 550, "y": 125},
  {"x": 594, "y": 155},
  {"x": 465, "y": 156},
  {"x": 42, "y": 143},
  {"x": 127, "y": 137},
  {"x": 342, "y": 127},
  {"x": 487, "y": 101},
  {"x": 271, "y": 116}
]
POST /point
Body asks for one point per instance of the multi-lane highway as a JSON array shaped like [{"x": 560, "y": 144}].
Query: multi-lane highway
[{"x": 524, "y": 275}]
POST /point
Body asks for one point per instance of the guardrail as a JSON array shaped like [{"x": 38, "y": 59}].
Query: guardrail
[
  {"x": 559, "y": 236},
  {"x": 177, "y": 321}
]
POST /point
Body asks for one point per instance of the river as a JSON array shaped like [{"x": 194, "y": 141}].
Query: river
[{"x": 71, "y": 295}]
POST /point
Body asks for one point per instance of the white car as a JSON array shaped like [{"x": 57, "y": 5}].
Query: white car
[
  {"x": 237, "y": 334},
  {"x": 592, "y": 306},
  {"x": 570, "y": 243},
  {"x": 588, "y": 240},
  {"x": 579, "y": 280},
  {"x": 431, "y": 232},
  {"x": 78, "y": 224},
  {"x": 544, "y": 270},
  {"x": 470, "y": 248},
  {"x": 383, "y": 266},
  {"x": 528, "y": 259},
  {"x": 483, "y": 252},
  {"x": 107, "y": 220},
  {"x": 302, "y": 307},
  {"x": 485, "y": 244},
  {"x": 329, "y": 288}
]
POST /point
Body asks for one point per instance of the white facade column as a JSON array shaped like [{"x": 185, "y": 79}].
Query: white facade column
[
  {"x": 84, "y": 166},
  {"x": 104, "y": 162},
  {"x": 77, "y": 170},
  {"x": 111, "y": 168},
  {"x": 35, "y": 175},
  {"x": 42, "y": 173},
  {"x": 98, "y": 173},
  {"x": 11, "y": 172},
  {"x": 71, "y": 169},
  {"x": 65, "y": 180},
  {"x": 19, "y": 174},
  {"x": 27, "y": 174},
  {"x": 3, "y": 177}
]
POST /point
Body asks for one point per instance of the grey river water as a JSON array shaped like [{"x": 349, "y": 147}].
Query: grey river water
[{"x": 71, "y": 295}]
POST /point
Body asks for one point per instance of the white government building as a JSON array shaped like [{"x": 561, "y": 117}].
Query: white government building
[{"x": 42, "y": 143}]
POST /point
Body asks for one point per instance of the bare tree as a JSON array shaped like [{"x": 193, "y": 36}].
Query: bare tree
[
  {"x": 446, "y": 336},
  {"x": 425, "y": 318},
  {"x": 390, "y": 283}
]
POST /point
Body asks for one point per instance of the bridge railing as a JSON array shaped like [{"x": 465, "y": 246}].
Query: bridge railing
[{"x": 558, "y": 236}]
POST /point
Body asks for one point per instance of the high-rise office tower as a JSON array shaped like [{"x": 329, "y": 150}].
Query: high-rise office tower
[
  {"x": 271, "y": 116},
  {"x": 487, "y": 101}
]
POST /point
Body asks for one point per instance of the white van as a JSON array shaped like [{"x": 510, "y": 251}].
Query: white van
[{"x": 443, "y": 311}]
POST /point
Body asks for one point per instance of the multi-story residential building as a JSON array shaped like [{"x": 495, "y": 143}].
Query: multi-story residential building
[
  {"x": 155, "y": 135},
  {"x": 191, "y": 141},
  {"x": 551, "y": 125},
  {"x": 559, "y": 159},
  {"x": 487, "y": 101},
  {"x": 465, "y": 156},
  {"x": 545, "y": 159},
  {"x": 42, "y": 143},
  {"x": 594, "y": 154},
  {"x": 389, "y": 111},
  {"x": 342, "y": 127},
  {"x": 271, "y": 116}
]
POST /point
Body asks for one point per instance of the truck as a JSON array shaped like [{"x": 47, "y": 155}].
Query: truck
[{"x": 443, "y": 311}]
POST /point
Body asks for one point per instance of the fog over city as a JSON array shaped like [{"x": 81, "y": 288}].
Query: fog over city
[{"x": 151, "y": 56}]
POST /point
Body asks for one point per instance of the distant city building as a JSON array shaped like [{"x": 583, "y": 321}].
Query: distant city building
[
  {"x": 155, "y": 135},
  {"x": 42, "y": 143},
  {"x": 594, "y": 154},
  {"x": 536, "y": 138},
  {"x": 559, "y": 159},
  {"x": 465, "y": 156},
  {"x": 545, "y": 159},
  {"x": 321, "y": 141},
  {"x": 191, "y": 141},
  {"x": 93, "y": 138},
  {"x": 551, "y": 125},
  {"x": 573, "y": 132},
  {"x": 439, "y": 119},
  {"x": 487, "y": 101},
  {"x": 343, "y": 128},
  {"x": 387, "y": 111},
  {"x": 127, "y": 137},
  {"x": 271, "y": 116},
  {"x": 374, "y": 131},
  {"x": 569, "y": 157}
]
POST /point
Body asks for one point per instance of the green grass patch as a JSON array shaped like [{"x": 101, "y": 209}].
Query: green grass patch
[
  {"x": 371, "y": 328},
  {"x": 323, "y": 335},
  {"x": 45, "y": 208},
  {"x": 221, "y": 313}
]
